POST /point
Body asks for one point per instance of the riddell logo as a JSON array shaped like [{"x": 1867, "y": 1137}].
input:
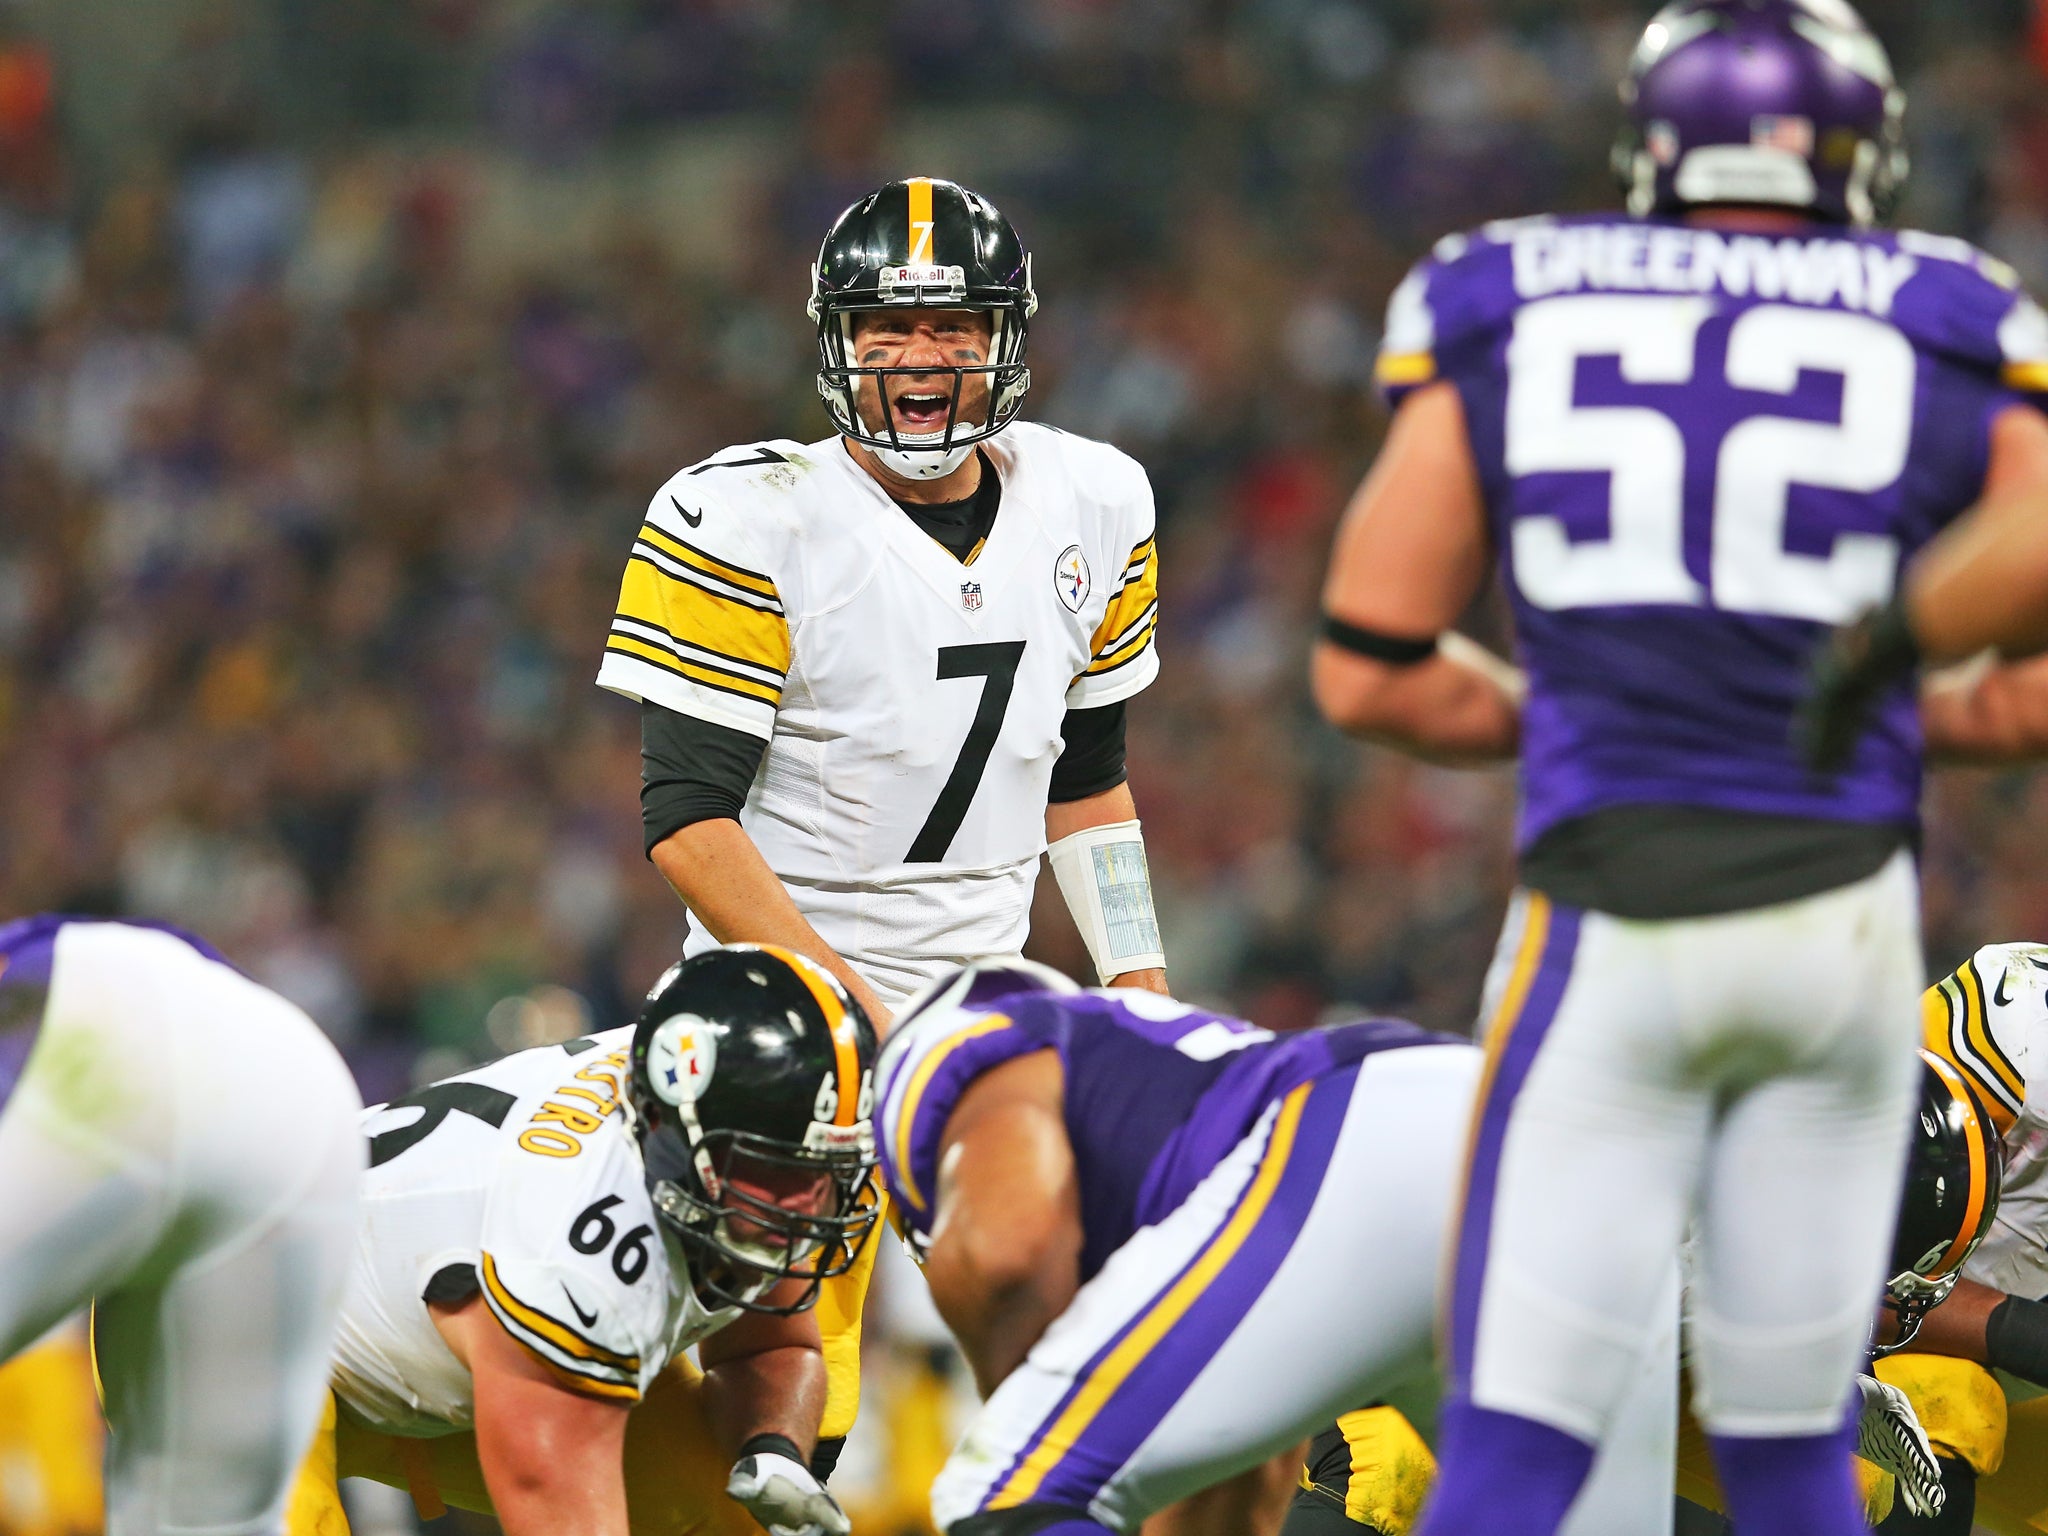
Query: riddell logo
[{"x": 917, "y": 275}]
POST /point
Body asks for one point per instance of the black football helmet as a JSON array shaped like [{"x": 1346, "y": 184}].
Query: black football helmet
[
  {"x": 1953, "y": 1176},
  {"x": 753, "y": 1091},
  {"x": 930, "y": 243}
]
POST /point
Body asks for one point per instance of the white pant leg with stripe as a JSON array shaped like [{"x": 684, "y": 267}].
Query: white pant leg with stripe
[
  {"x": 1297, "y": 1281},
  {"x": 182, "y": 1146},
  {"x": 1757, "y": 1068}
]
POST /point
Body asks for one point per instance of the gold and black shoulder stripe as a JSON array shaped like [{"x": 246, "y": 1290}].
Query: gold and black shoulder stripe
[
  {"x": 1956, "y": 1028},
  {"x": 701, "y": 617},
  {"x": 686, "y": 562},
  {"x": 588, "y": 1366},
  {"x": 1132, "y": 614}
]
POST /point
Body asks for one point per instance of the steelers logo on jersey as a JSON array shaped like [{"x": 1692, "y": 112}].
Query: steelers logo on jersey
[
  {"x": 681, "y": 1057},
  {"x": 1070, "y": 576}
]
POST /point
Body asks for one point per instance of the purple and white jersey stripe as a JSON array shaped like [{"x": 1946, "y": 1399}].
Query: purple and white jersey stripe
[
  {"x": 1698, "y": 448},
  {"x": 1157, "y": 1093},
  {"x": 28, "y": 952}
]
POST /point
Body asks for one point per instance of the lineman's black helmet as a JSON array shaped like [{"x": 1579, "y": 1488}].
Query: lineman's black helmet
[
  {"x": 1953, "y": 1177},
  {"x": 753, "y": 1093}
]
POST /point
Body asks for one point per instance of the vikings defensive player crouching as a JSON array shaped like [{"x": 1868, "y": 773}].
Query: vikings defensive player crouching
[
  {"x": 1173, "y": 1244},
  {"x": 149, "y": 1166},
  {"x": 543, "y": 1236}
]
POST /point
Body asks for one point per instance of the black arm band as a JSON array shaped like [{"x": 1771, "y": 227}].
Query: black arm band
[
  {"x": 773, "y": 1445},
  {"x": 1389, "y": 650},
  {"x": 1092, "y": 759},
  {"x": 2016, "y": 1339},
  {"x": 691, "y": 770}
]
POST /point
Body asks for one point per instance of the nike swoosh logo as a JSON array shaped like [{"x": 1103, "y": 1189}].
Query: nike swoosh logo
[
  {"x": 1998, "y": 992},
  {"x": 694, "y": 519},
  {"x": 587, "y": 1319}
]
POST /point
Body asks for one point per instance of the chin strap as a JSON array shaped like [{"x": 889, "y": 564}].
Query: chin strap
[{"x": 923, "y": 464}]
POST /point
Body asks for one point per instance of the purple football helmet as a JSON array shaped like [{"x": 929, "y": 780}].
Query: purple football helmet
[{"x": 1787, "y": 103}]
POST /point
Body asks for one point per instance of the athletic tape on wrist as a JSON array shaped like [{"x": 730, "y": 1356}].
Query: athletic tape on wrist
[
  {"x": 1102, "y": 874},
  {"x": 769, "y": 1443}
]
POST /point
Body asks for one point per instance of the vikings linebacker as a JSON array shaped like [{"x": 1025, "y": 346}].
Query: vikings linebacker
[
  {"x": 152, "y": 1167},
  {"x": 1695, "y": 436},
  {"x": 1172, "y": 1244}
]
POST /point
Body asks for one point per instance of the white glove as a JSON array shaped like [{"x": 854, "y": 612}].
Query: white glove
[
  {"x": 784, "y": 1497},
  {"x": 1888, "y": 1433}
]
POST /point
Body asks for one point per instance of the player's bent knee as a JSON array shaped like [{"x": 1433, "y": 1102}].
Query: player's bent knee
[{"x": 1959, "y": 1403}]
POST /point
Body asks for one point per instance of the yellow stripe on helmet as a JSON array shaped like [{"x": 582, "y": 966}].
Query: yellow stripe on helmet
[
  {"x": 823, "y": 986},
  {"x": 920, "y": 238},
  {"x": 1978, "y": 1135}
]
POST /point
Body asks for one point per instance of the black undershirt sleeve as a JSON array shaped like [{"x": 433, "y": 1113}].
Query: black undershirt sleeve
[
  {"x": 691, "y": 770},
  {"x": 1093, "y": 758}
]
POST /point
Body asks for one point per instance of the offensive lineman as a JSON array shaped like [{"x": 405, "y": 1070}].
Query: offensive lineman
[
  {"x": 1989, "y": 1019},
  {"x": 152, "y": 1168},
  {"x": 544, "y": 1235},
  {"x": 1694, "y": 436},
  {"x": 880, "y": 673}
]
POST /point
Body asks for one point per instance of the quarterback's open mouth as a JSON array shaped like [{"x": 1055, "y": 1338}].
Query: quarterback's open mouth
[{"x": 920, "y": 412}]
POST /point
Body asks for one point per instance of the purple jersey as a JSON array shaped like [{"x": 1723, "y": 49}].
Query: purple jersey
[
  {"x": 27, "y": 955},
  {"x": 1699, "y": 448},
  {"x": 1157, "y": 1093}
]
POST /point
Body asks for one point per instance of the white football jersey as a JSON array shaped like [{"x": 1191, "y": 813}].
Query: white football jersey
[
  {"x": 912, "y": 703},
  {"x": 524, "y": 1173},
  {"x": 1991, "y": 1019}
]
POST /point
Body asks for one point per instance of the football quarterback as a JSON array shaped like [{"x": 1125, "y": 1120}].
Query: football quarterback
[
  {"x": 1172, "y": 1244},
  {"x": 542, "y": 1237},
  {"x": 153, "y": 1170},
  {"x": 879, "y": 673},
  {"x": 1698, "y": 435}
]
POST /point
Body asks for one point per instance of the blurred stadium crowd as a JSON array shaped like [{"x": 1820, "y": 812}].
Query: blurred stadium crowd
[
  {"x": 332, "y": 391},
  {"x": 342, "y": 343}
]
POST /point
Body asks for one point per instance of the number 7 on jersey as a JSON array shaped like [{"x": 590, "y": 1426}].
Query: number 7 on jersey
[{"x": 995, "y": 662}]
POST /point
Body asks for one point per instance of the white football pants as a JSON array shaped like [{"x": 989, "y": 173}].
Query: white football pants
[
  {"x": 1297, "y": 1281},
  {"x": 1755, "y": 1069},
  {"x": 182, "y": 1150}
]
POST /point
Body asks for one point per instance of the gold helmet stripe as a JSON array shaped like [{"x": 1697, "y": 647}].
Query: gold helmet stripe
[
  {"x": 845, "y": 1040},
  {"x": 1979, "y": 1138},
  {"x": 921, "y": 222}
]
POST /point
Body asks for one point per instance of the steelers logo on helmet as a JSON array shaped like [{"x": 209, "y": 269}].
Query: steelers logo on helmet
[
  {"x": 682, "y": 1056},
  {"x": 728, "y": 1059}
]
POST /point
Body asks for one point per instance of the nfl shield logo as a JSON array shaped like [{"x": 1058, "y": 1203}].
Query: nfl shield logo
[{"x": 970, "y": 595}]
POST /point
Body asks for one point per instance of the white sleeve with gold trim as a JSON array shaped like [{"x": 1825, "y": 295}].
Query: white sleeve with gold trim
[
  {"x": 700, "y": 626},
  {"x": 1122, "y": 657},
  {"x": 573, "y": 1263},
  {"x": 1987, "y": 1018}
]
